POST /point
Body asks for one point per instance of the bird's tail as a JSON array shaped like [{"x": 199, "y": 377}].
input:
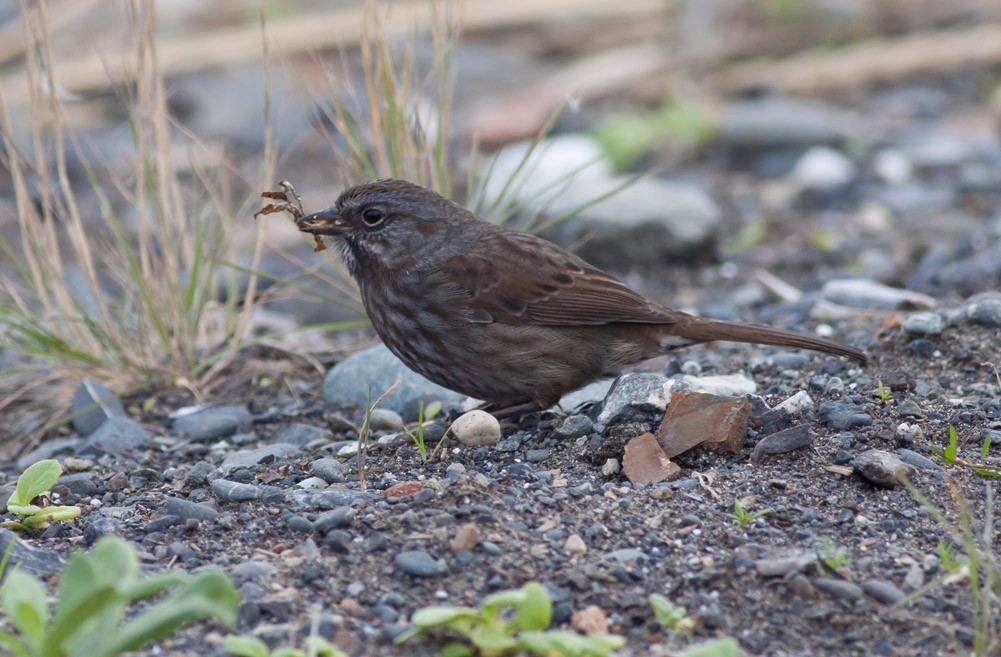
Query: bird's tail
[{"x": 700, "y": 329}]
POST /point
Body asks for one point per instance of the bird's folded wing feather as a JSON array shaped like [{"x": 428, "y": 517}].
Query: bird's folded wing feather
[{"x": 545, "y": 285}]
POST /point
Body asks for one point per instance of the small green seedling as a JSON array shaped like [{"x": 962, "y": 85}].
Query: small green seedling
[
  {"x": 418, "y": 438},
  {"x": 743, "y": 517},
  {"x": 948, "y": 559},
  {"x": 95, "y": 593},
  {"x": 248, "y": 646},
  {"x": 670, "y": 616},
  {"x": 508, "y": 623},
  {"x": 833, "y": 555},
  {"x": 882, "y": 392},
  {"x": 30, "y": 500},
  {"x": 950, "y": 455}
]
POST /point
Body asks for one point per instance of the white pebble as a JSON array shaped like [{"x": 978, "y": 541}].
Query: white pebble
[{"x": 477, "y": 429}]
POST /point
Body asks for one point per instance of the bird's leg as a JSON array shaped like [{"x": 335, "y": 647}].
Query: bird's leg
[{"x": 521, "y": 408}]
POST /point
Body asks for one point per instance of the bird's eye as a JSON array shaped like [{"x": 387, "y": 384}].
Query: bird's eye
[{"x": 372, "y": 217}]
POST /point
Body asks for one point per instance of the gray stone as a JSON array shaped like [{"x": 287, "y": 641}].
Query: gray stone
[
  {"x": 300, "y": 434},
  {"x": 983, "y": 309},
  {"x": 330, "y": 470},
  {"x": 573, "y": 426},
  {"x": 234, "y": 491},
  {"x": 776, "y": 121},
  {"x": 338, "y": 518},
  {"x": 592, "y": 393},
  {"x": 881, "y": 468},
  {"x": 32, "y": 560},
  {"x": 910, "y": 457},
  {"x": 419, "y": 564},
  {"x": 188, "y": 510},
  {"x": 838, "y": 589},
  {"x": 80, "y": 484},
  {"x": 783, "y": 441},
  {"x": 266, "y": 454},
  {"x": 101, "y": 526},
  {"x": 384, "y": 419},
  {"x": 326, "y": 499},
  {"x": 634, "y": 392},
  {"x": 822, "y": 167},
  {"x": 115, "y": 436},
  {"x": 214, "y": 422},
  {"x": 924, "y": 324},
  {"x": 253, "y": 570},
  {"x": 888, "y": 594},
  {"x": 840, "y": 414},
  {"x": 92, "y": 405},
  {"x": 909, "y": 408},
  {"x": 363, "y": 376}
]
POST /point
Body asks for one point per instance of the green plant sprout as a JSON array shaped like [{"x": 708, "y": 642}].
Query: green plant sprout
[
  {"x": 743, "y": 517},
  {"x": 508, "y": 623},
  {"x": 95, "y": 591},
  {"x": 948, "y": 558},
  {"x": 248, "y": 646},
  {"x": 418, "y": 438},
  {"x": 882, "y": 392},
  {"x": 833, "y": 555},
  {"x": 670, "y": 616},
  {"x": 30, "y": 501},
  {"x": 950, "y": 456}
]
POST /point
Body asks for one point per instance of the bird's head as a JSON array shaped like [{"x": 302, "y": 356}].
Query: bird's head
[{"x": 387, "y": 224}]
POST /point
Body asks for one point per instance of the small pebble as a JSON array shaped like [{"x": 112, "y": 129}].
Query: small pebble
[
  {"x": 418, "y": 563},
  {"x": 477, "y": 429}
]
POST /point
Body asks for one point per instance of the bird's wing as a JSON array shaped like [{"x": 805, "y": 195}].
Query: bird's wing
[{"x": 522, "y": 279}]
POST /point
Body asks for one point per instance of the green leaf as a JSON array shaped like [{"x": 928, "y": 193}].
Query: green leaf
[
  {"x": 492, "y": 640},
  {"x": 17, "y": 647},
  {"x": 442, "y": 616},
  {"x": 289, "y": 652},
  {"x": 456, "y": 650},
  {"x": 432, "y": 410},
  {"x": 667, "y": 613},
  {"x": 35, "y": 480},
  {"x": 492, "y": 604},
  {"x": 985, "y": 447},
  {"x": 536, "y": 611},
  {"x": 726, "y": 647},
  {"x": 245, "y": 646},
  {"x": 24, "y": 603},
  {"x": 207, "y": 594}
]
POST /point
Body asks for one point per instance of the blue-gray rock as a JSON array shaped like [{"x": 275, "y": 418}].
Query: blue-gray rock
[
  {"x": 328, "y": 469},
  {"x": 838, "y": 589},
  {"x": 336, "y": 519},
  {"x": 909, "y": 408},
  {"x": 592, "y": 393},
  {"x": 80, "y": 484},
  {"x": 234, "y": 491},
  {"x": 326, "y": 499},
  {"x": 882, "y": 591},
  {"x": 300, "y": 434},
  {"x": 840, "y": 414},
  {"x": 419, "y": 564},
  {"x": 252, "y": 457},
  {"x": 776, "y": 122},
  {"x": 574, "y": 426},
  {"x": 253, "y": 570},
  {"x": 910, "y": 457},
  {"x": 634, "y": 392},
  {"x": 214, "y": 422},
  {"x": 47, "y": 450},
  {"x": 983, "y": 309},
  {"x": 175, "y": 506},
  {"x": 101, "y": 526},
  {"x": 32, "y": 560},
  {"x": 363, "y": 376},
  {"x": 783, "y": 441},
  {"x": 115, "y": 436},
  {"x": 94, "y": 403},
  {"x": 924, "y": 324},
  {"x": 626, "y": 554},
  {"x": 881, "y": 468},
  {"x": 384, "y": 419}
]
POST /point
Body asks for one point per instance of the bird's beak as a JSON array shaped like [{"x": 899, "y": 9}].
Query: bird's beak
[{"x": 324, "y": 222}]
